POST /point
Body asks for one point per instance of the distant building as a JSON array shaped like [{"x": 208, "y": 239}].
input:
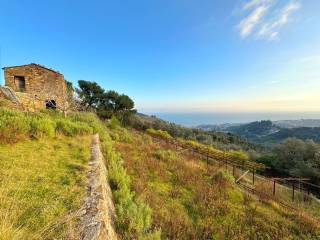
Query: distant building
[{"x": 35, "y": 86}]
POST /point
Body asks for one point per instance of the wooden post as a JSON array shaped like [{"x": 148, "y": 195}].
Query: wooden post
[
  {"x": 293, "y": 192},
  {"x": 207, "y": 158},
  {"x": 253, "y": 176},
  {"x": 274, "y": 187}
]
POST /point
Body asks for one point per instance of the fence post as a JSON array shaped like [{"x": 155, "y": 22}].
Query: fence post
[
  {"x": 274, "y": 187},
  {"x": 253, "y": 176},
  {"x": 293, "y": 192},
  {"x": 207, "y": 158},
  {"x": 233, "y": 170}
]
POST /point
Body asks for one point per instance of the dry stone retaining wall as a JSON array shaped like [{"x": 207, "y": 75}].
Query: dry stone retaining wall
[{"x": 97, "y": 220}]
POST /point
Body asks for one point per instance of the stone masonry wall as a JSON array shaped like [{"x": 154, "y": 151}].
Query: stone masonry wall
[
  {"x": 41, "y": 84},
  {"x": 99, "y": 213}
]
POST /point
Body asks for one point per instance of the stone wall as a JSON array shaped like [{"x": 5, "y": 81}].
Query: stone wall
[
  {"x": 97, "y": 220},
  {"x": 41, "y": 84}
]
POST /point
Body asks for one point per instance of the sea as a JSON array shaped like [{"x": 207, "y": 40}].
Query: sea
[{"x": 191, "y": 119}]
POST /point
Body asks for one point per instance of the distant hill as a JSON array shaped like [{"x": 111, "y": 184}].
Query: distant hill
[
  {"x": 312, "y": 123},
  {"x": 271, "y": 132},
  {"x": 220, "y": 139}
]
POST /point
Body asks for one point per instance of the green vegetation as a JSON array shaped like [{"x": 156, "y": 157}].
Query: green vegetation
[
  {"x": 269, "y": 133},
  {"x": 191, "y": 200},
  {"x": 105, "y": 103},
  {"x": 16, "y": 126},
  {"x": 43, "y": 176},
  {"x": 159, "y": 192},
  {"x": 133, "y": 214},
  {"x": 162, "y": 154},
  {"x": 295, "y": 158},
  {"x": 219, "y": 140},
  {"x": 42, "y": 185}
]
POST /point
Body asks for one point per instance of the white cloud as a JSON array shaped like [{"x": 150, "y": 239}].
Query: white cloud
[
  {"x": 264, "y": 19},
  {"x": 255, "y": 3},
  {"x": 247, "y": 25},
  {"x": 270, "y": 30}
]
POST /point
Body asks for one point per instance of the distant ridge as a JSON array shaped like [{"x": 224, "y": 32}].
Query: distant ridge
[{"x": 270, "y": 132}]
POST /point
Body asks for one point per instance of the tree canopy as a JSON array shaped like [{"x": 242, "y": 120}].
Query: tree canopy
[
  {"x": 297, "y": 158},
  {"x": 105, "y": 103}
]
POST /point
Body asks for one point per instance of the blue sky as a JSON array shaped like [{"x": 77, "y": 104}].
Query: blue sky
[{"x": 176, "y": 55}]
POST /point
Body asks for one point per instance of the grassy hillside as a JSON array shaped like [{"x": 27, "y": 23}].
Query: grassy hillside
[
  {"x": 159, "y": 192},
  {"x": 191, "y": 200},
  {"x": 42, "y": 177},
  {"x": 42, "y": 172},
  {"x": 42, "y": 185}
]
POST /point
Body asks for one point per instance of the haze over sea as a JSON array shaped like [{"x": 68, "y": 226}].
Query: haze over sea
[{"x": 196, "y": 118}]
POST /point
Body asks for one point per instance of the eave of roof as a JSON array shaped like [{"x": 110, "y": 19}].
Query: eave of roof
[{"x": 35, "y": 64}]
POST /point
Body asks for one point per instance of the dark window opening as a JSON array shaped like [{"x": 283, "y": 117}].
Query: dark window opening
[
  {"x": 51, "y": 104},
  {"x": 20, "y": 83}
]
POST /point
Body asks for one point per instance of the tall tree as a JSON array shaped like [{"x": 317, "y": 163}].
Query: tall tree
[{"x": 90, "y": 93}]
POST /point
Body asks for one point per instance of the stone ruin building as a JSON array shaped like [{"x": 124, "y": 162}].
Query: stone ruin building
[{"x": 34, "y": 86}]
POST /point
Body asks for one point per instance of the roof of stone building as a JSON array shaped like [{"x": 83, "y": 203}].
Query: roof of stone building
[{"x": 34, "y": 64}]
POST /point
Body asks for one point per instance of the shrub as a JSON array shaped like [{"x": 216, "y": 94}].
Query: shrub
[
  {"x": 133, "y": 215},
  {"x": 14, "y": 126},
  {"x": 40, "y": 127},
  {"x": 165, "y": 154},
  {"x": 159, "y": 133},
  {"x": 125, "y": 136},
  {"x": 223, "y": 178},
  {"x": 115, "y": 136},
  {"x": 69, "y": 128},
  {"x": 114, "y": 123}
]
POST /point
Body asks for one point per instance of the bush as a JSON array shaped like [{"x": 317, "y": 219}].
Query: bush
[
  {"x": 69, "y": 128},
  {"x": 114, "y": 123},
  {"x": 14, "y": 126},
  {"x": 165, "y": 154},
  {"x": 125, "y": 136},
  {"x": 42, "y": 127},
  {"x": 159, "y": 133}
]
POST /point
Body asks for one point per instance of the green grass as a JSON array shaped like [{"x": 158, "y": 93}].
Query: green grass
[
  {"x": 42, "y": 185},
  {"x": 42, "y": 181}
]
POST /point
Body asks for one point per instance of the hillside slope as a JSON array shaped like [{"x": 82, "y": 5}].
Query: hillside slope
[
  {"x": 191, "y": 200},
  {"x": 44, "y": 158}
]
